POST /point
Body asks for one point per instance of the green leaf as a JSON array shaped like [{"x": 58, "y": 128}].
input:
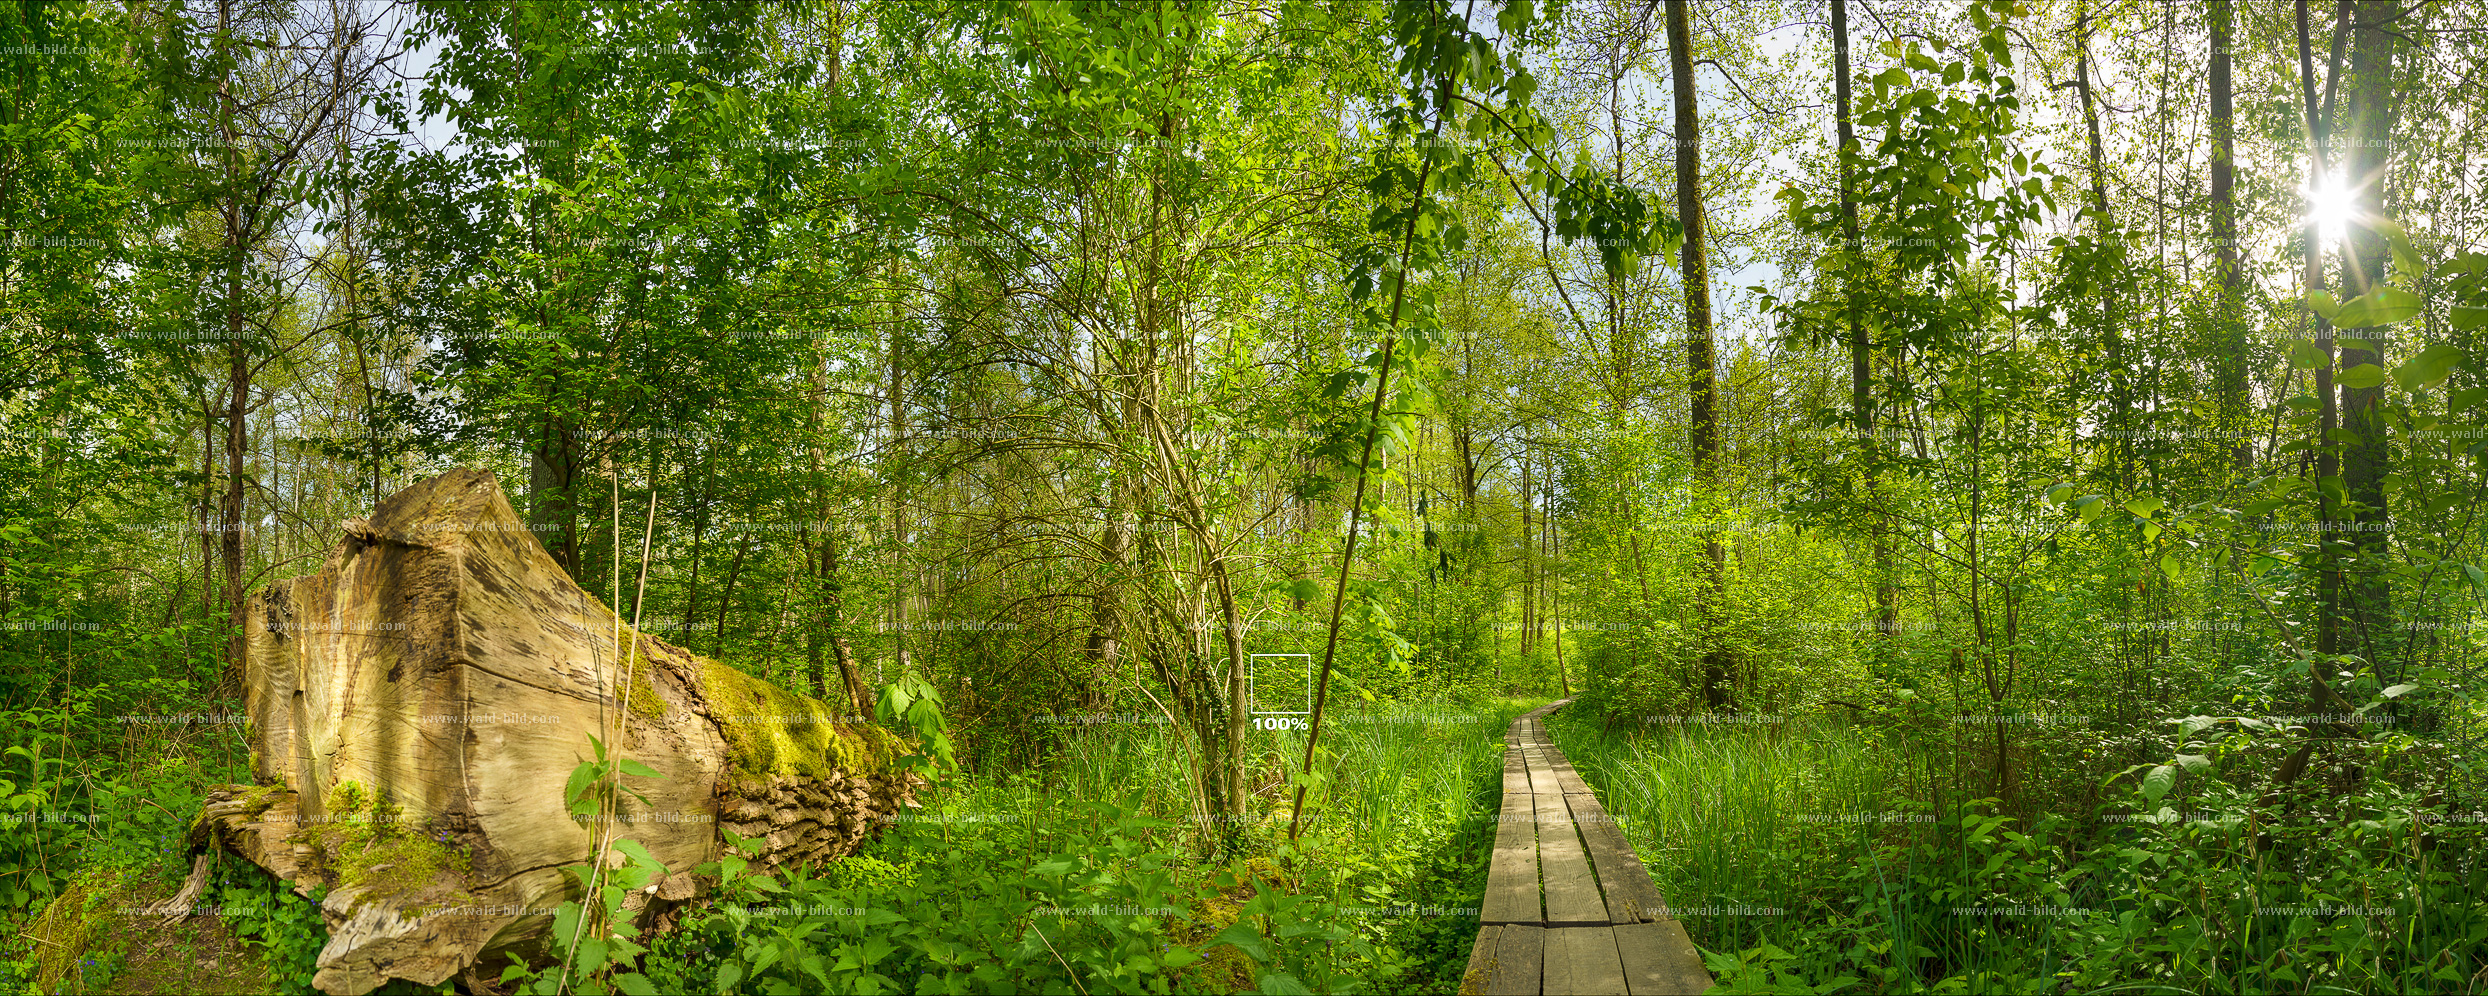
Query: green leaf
[
  {"x": 2429, "y": 368},
  {"x": 2364, "y": 375},
  {"x": 2304, "y": 354},
  {"x": 1283, "y": 984},
  {"x": 2382, "y": 306},
  {"x": 2322, "y": 303},
  {"x": 2398, "y": 691},
  {"x": 2145, "y": 505},
  {"x": 2158, "y": 782},
  {"x": 2194, "y": 762}
]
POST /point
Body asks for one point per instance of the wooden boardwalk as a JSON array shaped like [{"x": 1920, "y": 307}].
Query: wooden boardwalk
[{"x": 1569, "y": 907}]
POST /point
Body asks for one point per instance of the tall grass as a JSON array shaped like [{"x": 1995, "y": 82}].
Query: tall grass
[
  {"x": 1808, "y": 855},
  {"x": 1398, "y": 825},
  {"x": 1745, "y": 820}
]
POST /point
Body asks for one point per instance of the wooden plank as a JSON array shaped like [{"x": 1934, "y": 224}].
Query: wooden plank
[
  {"x": 1571, "y": 780},
  {"x": 1481, "y": 962},
  {"x": 1622, "y": 879},
  {"x": 1572, "y": 896},
  {"x": 1512, "y": 890},
  {"x": 1520, "y": 954},
  {"x": 1512, "y": 875},
  {"x": 1583, "y": 960},
  {"x": 1659, "y": 960}
]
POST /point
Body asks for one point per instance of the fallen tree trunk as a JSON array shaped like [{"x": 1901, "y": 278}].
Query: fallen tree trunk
[{"x": 416, "y": 709}]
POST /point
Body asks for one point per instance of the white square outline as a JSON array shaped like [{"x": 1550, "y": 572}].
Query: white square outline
[{"x": 1252, "y": 687}]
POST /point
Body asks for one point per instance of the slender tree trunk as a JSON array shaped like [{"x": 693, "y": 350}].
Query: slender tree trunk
[
  {"x": 1705, "y": 428},
  {"x": 1861, "y": 346},
  {"x": 2120, "y": 378},
  {"x": 2366, "y": 460},
  {"x": 2231, "y": 280},
  {"x": 1528, "y": 556},
  {"x": 2327, "y": 453},
  {"x": 237, "y": 357}
]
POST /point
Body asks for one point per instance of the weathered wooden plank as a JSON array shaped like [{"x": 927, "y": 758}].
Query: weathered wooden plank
[
  {"x": 1572, "y": 896},
  {"x": 1512, "y": 874},
  {"x": 1583, "y": 960},
  {"x": 1622, "y": 879},
  {"x": 1520, "y": 957},
  {"x": 1659, "y": 960},
  {"x": 1570, "y": 779},
  {"x": 1481, "y": 962}
]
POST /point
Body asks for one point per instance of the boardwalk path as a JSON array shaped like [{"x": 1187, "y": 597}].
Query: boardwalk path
[{"x": 1569, "y": 908}]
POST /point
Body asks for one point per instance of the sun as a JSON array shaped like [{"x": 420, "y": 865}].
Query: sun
[{"x": 2330, "y": 206}]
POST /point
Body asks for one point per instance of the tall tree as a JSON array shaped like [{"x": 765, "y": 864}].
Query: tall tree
[
  {"x": 2119, "y": 420},
  {"x": 2366, "y": 460},
  {"x": 2318, "y": 119},
  {"x": 2229, "y": 280},
  {"x": 1698, "y": 358},
  {"x": 1861, "y": 346}
]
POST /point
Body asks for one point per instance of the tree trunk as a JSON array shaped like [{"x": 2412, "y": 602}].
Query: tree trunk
[
  {"x": 1861, "y": 347},
  {"x": 416, "y": 705},
  {"x": 2120, "y": 379},
  {"x": 2366, "y": 460},
  {"x": 1705, "y": 428},
  {"x": 2229, "y": 306},
  {"x": 237, "y": 358},
  {"x": 2327, "y": 452}
]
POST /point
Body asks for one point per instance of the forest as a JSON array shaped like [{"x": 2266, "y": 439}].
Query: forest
[{"x": 1994, "y": 488}]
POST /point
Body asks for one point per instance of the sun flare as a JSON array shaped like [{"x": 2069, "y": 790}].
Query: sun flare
[{"x": 2330, "y": 205}]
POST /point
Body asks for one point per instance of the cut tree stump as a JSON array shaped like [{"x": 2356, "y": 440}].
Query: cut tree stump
[{"x": 418, "y": 705}]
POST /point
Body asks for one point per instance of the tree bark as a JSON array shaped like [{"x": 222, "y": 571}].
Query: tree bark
[
  {"x": 2327, "y": 452},
  {"x": 2366, "y": 459},
  {"x": 1698, "y": 360},
  {"x": 2229, "y": 304},
  {"x": 2120, "y": 379}
]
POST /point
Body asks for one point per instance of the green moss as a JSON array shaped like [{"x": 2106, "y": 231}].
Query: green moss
[
  {"x": 772, "y": 731},
  {"x": 641, "y": 695},
  {"x": 366, "y": 841},
  {"x": 84, "y": 918}
]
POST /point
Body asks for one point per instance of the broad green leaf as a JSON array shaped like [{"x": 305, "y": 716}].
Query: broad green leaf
[
  {"x": 2382, "y": 306},
  {"x": 1283, "y": 984},
  {"x": 2322, "y": 303},
  {"x": 2158, "y": 782},
  {"x": 2429, "y": 368},
  {"x": 2364, "y": 375}
]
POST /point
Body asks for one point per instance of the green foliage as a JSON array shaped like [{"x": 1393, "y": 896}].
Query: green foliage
[
  {"x": 2190, "y": 875},
  {"x": 285, "y": 926},
  {"x": 912, "y": 703},
  {"x": 595, "y": 938},
  {"x": 1100, "y": 909}
]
